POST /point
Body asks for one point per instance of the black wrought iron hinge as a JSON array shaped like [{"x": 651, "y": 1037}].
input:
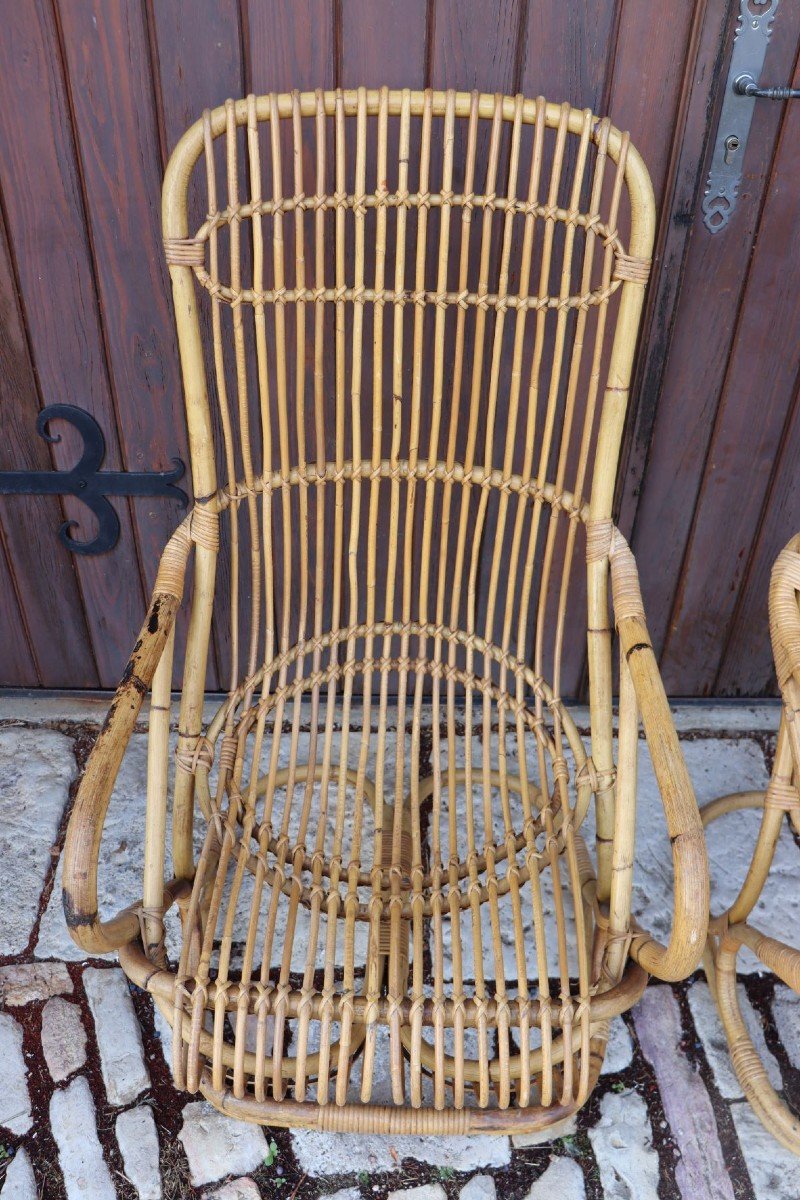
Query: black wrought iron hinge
[{"x": 88, "y": 483}]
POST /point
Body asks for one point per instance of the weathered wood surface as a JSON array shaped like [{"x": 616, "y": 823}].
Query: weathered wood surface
[{"x": 94, "y": 98}]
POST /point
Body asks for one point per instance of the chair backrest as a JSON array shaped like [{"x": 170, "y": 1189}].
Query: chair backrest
[{"x": 422, "y": 320}]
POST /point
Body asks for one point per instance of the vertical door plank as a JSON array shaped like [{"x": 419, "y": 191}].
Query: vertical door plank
[
  {"x": 569, "y": 57},
  {"x": 755, "y": 403},
  {"x": 682, "y": 193},
  {"x": 715, "y": 273},
  {"x": 568, "y": 51},
  {"x": 383, "y": 44},
  {"x": 17, "y": 666},
  {"x": 44, "y": 570},
  {"x": 476, "y": 46},
  {"x": 648, "y": 79},
  {"x": 182, "y": 42},
  {"x": 386, "y": 45},
  {"x": 747, "y": 667},
  {"x": 46, "y": 228},
  {"x": 199, "y": 60},
  {"x": 290, "y": 46},
  {"x": 111, "y": 86},
  {"x": 613, "y": 85}
]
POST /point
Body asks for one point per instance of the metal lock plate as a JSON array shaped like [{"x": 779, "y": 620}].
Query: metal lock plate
[{"x": 749, "y": 48}]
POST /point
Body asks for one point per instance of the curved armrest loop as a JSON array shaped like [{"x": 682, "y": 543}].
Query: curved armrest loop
[
  {"x": 687, "y": 940},
  {"x": 85, "y": 828}
]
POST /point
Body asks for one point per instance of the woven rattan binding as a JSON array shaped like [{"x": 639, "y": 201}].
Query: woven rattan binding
[
  {"x": 732, "y": 930},
  {"x": 406, "y": 322}
]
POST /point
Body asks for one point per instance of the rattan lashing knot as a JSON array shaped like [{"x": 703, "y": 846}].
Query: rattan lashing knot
[
  {"x": 598, "y": 781},
  {"x": 782, "y": 795},
  {"x": 204, "y": 527},
  {"x": 150, "y": 917},
  {"x": 598, "y": 540},
  {"x": 185, "y": 252},
  {"x": 631, "y": 269},
  {"x": 281, "y": 1001},
  {"x": 194, "y": 753},
  {"x": 227, "y": 752},
  {"x": 560, "y": 768}
]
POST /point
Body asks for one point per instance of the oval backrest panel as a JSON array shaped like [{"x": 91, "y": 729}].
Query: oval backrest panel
[{"x": 415, "y": 310}]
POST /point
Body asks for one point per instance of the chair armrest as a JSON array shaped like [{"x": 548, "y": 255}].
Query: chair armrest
[
  {"x": 687, "y": 940},
  {"x": 85, "y": 828}
]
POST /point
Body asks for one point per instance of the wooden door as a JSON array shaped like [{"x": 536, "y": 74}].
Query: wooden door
[
  {"x": 94, "y": 95},
  {"x": 711, "y": 489}
]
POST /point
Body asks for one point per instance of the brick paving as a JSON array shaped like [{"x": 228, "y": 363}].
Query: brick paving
[{"x": 87, "y": 1105}]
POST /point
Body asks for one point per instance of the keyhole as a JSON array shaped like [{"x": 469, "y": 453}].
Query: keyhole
[{"x": 731, "y": 146}]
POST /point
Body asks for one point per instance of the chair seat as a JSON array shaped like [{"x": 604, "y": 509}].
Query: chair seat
[{"x": 393, "y": 885}]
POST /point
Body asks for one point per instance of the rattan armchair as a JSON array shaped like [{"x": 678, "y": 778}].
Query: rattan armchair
[
  {"x": 731, "y": 930},
  {"x": 393, "y": 922}
]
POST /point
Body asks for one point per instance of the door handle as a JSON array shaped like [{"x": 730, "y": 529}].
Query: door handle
[{"x": 745, "y": 85}]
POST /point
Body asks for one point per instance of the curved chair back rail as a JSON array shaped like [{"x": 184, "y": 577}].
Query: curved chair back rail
[{"x": 406, "y": 323}]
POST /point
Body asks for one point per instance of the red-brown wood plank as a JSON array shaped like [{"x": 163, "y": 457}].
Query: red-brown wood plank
[
  {"x": 476, "y": 46},
  {"x": 290, "y": 46},
  {"x": 661, "y": 36},
  {"x": 198, "y": 59},
  {"x": 108, "y": 60},
  {"x": 567, "y": 52},
  {"x": 715, "y": 274},
  {"x": 181, "y": 42},
  {"x": 17, "y": 665},
  {"x": 46, "y": 227},
  {"x": 472, "y": 47},
  {"x": 682, "y": 191},
  {"x": 287, "y": 49},
  {"x": 383, "y": 44},
  {"x": 569, "y": 56},
  {"x": 649, "y": 78},
  {"x": 44, "y": 571},
  {"x": 747, "y": 668},
  {"x": 751, "y": 422}
]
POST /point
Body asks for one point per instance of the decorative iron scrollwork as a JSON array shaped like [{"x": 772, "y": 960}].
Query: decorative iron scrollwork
[{"x": 88, "y": 483}]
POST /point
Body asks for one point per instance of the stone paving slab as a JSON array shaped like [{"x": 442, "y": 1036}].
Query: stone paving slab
[
  {"x": 37, "y": 767},
  {"x": 22, "y": 983},
  {"x": 80, "y": 1154},
  {"x": 15, "y": 1100},
  {"x": 91, "y": 1112},
  {"x": 90, "y": 708},
  {"x": 63, "y": 1038},
  {"x": 622, "y": 1141}
]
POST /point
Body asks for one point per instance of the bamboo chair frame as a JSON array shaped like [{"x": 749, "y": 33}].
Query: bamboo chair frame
[
  {"x": 388, "y": 882},
  {"x": 731, "y": 930}
]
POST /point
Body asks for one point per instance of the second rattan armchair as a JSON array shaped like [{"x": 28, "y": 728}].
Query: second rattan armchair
[
  {"x": 423, "y": 315},
  {"x": 733, "y": 930}
]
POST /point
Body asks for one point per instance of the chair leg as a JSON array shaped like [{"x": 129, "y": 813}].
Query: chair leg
[{"x": 773, "y": 1113}]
